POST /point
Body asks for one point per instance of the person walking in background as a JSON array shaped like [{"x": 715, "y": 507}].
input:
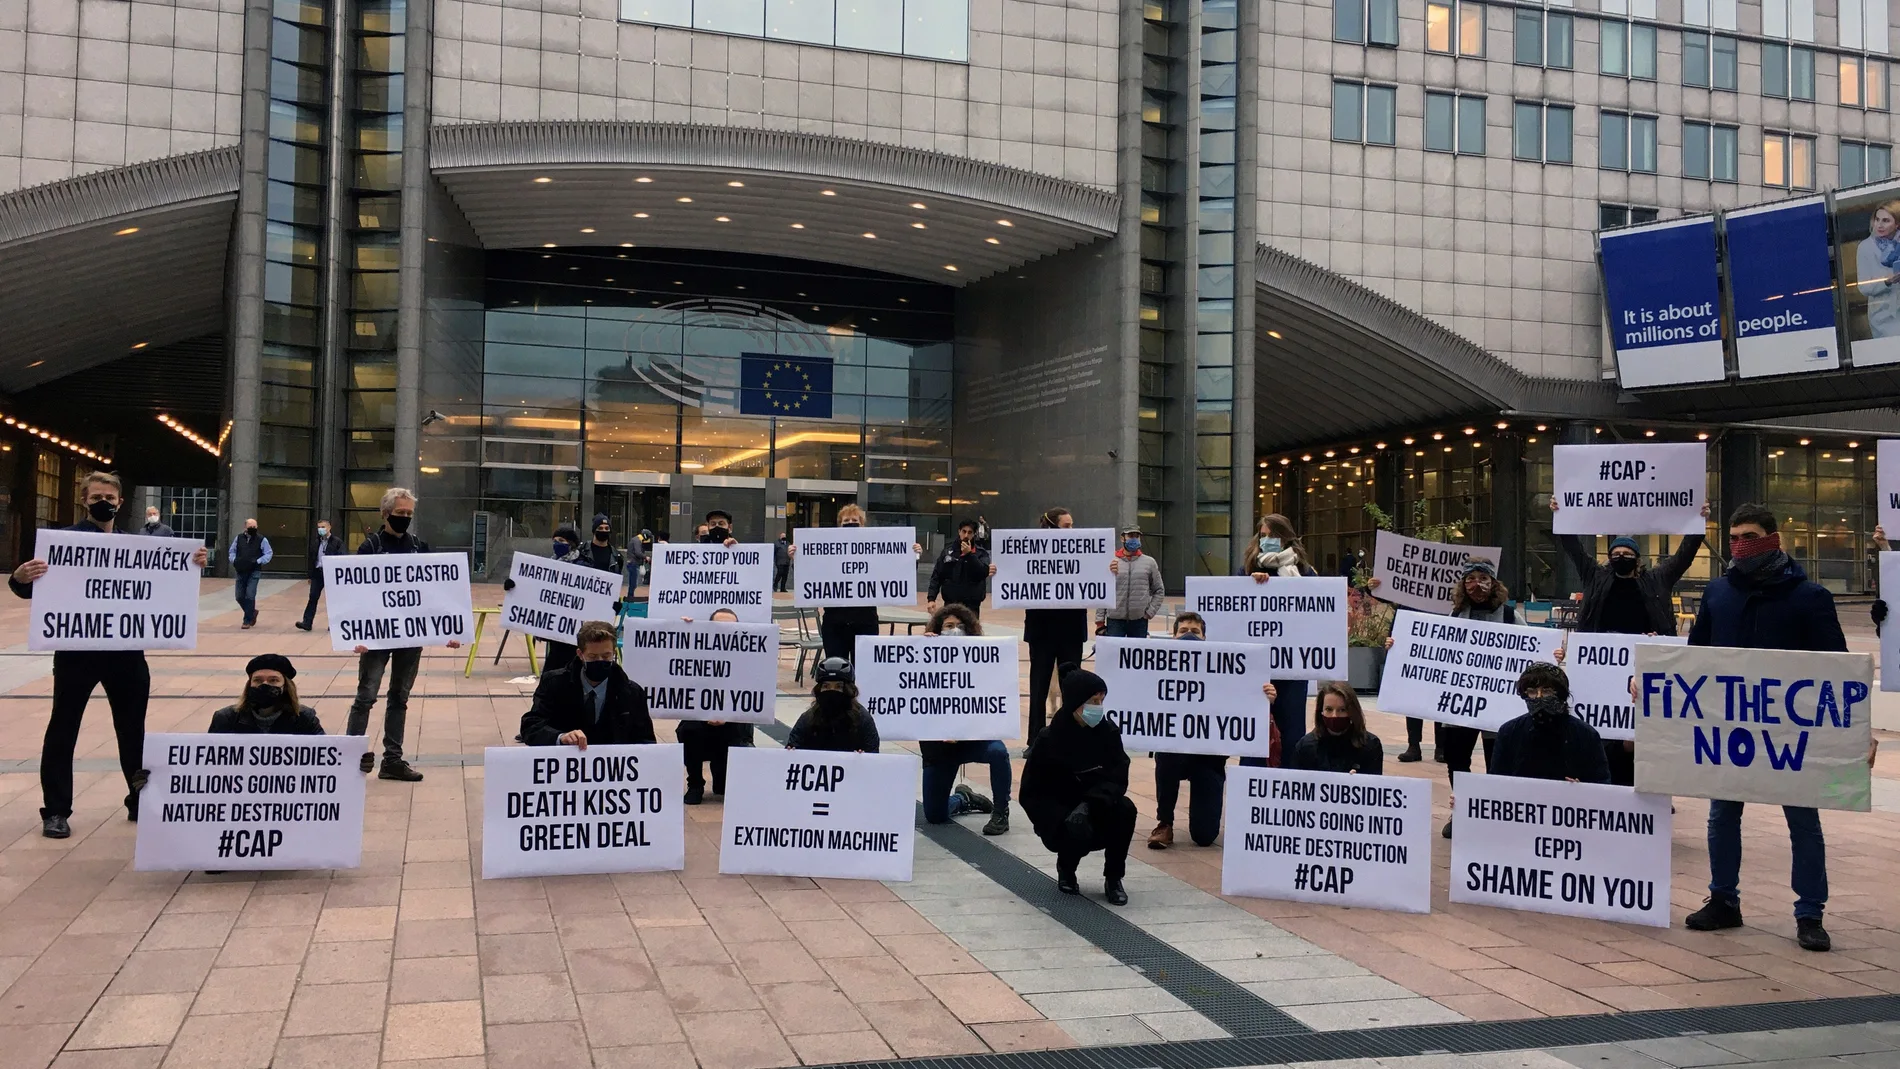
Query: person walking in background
[
  {"x": 1054, "y": 637},
  {"x": 327, "y": 544},
  {"x": 154, "y": 527},
  {"x": 249, "y": 553},
  {"x": 1139, "y": 590},
  {"x": 269, "y": 704},
  {"x": 638, "y": 548},
  {"x": 943, "y": 760},
  {"x": 1075, "y": 787},
  {"x": 1339, "y": 741},
  {"x": 782, "y": 564},
  {"x": 1277, "y": 551},
  {"x": 963, "y": 572}
]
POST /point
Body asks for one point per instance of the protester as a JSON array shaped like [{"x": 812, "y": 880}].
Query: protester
[
  {"x": 124, "y": 674},
  {"x": 154, "y": 527},
  {"x": 1339, "y": 741},
  {"x": 1547, "y": 742},
  {"x": 638, "y": 548},
  {"x": 326, "y": 545},
  {"x": 269, "y": 704},
  {"x": 249, "y": 553},
  {"x": 963, "y": 572},
  {"x": 840, "y": 625},
  {"x": 590, "y": 701},
  {"x": 1075, "y": 787},
  {"x": 782, "y": 565},
  {"x": 707, "y": 741},
  {"x": 1206, "y": 774},
  {"x": 944, "y": 760},
  {"x": 1878, "y": 610},
  {"x": 600, "y": 553},
  {"x": 1277, "y": 551},
  {"x": 835, "y": 720},
  {"x": 1054, "y": 636},
  {"x": 1139, "y": 590},
  {"x": 566, "y": 549},
  {"x": 717, "y": 530}
]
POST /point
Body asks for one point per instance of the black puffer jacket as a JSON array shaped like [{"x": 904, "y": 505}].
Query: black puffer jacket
[
  {"x": 1655, "y": 583},
  {"x": 854, "y": 732},
  {"x": 1068, "y": 765}
]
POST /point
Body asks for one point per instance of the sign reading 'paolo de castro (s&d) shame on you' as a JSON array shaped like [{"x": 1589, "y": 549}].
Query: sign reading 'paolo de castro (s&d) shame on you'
[{"x": 390, "y": 601}]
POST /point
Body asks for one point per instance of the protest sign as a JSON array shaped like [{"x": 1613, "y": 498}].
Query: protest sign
[
  {"x": 561, "y": 810},
  {"x": 1630, "y": 489},
  {"x": 1053, "y": 568},
  {"x": 1574, "y": 849},
  {"x": 1327, "y": 837},
  {"x": 114, "y": 592},
  {"x": 1459, "y": 671},
  {"x": 388, "y": 601},
  {"x": 553, "y": 598},
  {"x": 251, "y": 802},
  {"x": 816, "y": 813},
  {"x": 940, "y": 688},
  {"x": 1187, "y": 697},
  {"x": 703, "y": 671},
  {"x": 1600, "y": 667},
  {"x": 1786, "y": 727},
  {"x": 1887, "y": 486},
  {"x": 693, "y": 580},
  {"x": 856, "y": 566},
  {"x": 1890, "y": 635},
  {"x": 1415, "y": 574},
  {"x": 1299, "y": 622}
]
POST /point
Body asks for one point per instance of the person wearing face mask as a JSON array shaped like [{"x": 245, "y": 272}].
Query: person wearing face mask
[
  {"x": 1075, "y": 787},
  {"x": 269, "y": 704},
  {"x": 1139, "y": 590},
  {"x": 1054, "y": 636},
  {"x": 706, "y": 742},
  {"x": 589, "y": 702},
  {"x": 943, "y": 760},
  {"x": 835, "y": 720},
  {"x": 566, "y": 548},
  {"x": 962, "y": 574},
  {"x": 600, "y": 553},
  {"x": 717, "y": 530},
  {"x": 1206, "y": 774},
  {"x": 249, "y": 552},
  {"x": 1277, "y": 551},
  {"x": 1478, "y": 596},
  {"x": 154, "y": 527},
  {"x": 327, "y": 544},
  {"x": 840, "y": 625},
  {"x": 1339, "y": 741},
  {"x": 637, "y": 559},
  {"x": 1547, "y": 742}
]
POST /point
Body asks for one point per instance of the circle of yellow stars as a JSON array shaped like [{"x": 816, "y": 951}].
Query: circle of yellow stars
[{"x": 804, "y": 373}]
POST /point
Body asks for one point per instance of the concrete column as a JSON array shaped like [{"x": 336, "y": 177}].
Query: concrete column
[
  {"x": 1744, "y": 476},
  {"x": 1510, "y": 518},
  {"x": 417, "y": 184},
  {"x": 245, "y": 303},
  {"x": 326, "y": 491},
  {"x": 1246, "y": 207},
  {"x": 1127, "y": 250},
  {"x": 1568, "y": 581}
]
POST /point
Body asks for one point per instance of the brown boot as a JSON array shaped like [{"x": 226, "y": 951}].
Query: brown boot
[{"x": 1162, "y": 837}]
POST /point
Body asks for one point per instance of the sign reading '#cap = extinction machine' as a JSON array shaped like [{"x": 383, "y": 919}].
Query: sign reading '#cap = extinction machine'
[
  {"x": 390, "y": 601},
  {"x": 551, "y": 599},
  {"x": 1187, "y": 697},
  {"x": 856, "y": 566},
  {"x": 1600, "y": 667},
  {"x": 1659, "y": 285},
  {"x": 1458, "y": 671},
  {"x": 1574, "y": 849},
  {"x": 1781, "y": 278},
  {"x": 1299, "y": 623},
  {"x": 1786, "y": 727},
  {"x": 114, "y": 592},
  {"x": 1053, "y": 568},
  {"x": 251, "y": 802},
  {"x": 1416, "y": 574},
  {"x": 1327, "y": 837},
  {"x": 560, "y": 810},
  {"x": 940, "y": 688},
  {"x": 694, "y": 580},
  {"x": 816, "y": 813},
  {"x": 703, "y": 670},
  {"x": 1630, "y": 489}
]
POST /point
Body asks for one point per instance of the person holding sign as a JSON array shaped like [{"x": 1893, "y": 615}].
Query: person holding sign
[
  {"x": 269, "y": 704},
  {"x": 840, "y": 625},
  {"x": 1206, "y": 773},
  {"x": 1054, "y": 636},
  {"x": 1339, "y": 742},
  {"x": 126, "y": 677},
  {"x": 706, "y": 742},
  {"x": 568, "y": 549},
  {"x": 962, "y": 574},
  {"x": 589, "y": 701},
  {"x": 943, "y": 760},
  {"x": 1547, "y": 742},
  {"x": 1277, "y": 551},
  {"x": 1139, "y": 590},
  {"x": 835, "y": 720},
  {"x": 1075, "y": 787},
  {"x": 717, "y": 530}
]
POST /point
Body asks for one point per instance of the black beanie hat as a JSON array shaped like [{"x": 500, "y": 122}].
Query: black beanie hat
[
  {"x": 1078, "y": 687},
  {"x": 275, "y": 662}
]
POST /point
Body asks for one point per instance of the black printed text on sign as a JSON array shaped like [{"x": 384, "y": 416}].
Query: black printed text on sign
[
  {"x": 856, "y": 566},
  {"x": 940, "y": 689},
  {"x": 695, "y": 580},
  {"x": 114, "y": 592},
  {"x": 1600, "y": 667},
  {"x": 1051, "y": 568},
  {"x": 1575, "y": 849},
  {"x": 561, "y": 810},
  {"x": 1415, "y": 574},
  {"x": 1187, "y": 697},
  {"x": 1458, "y": 671},
  {"x": 1630, "y": 489},
  {"x": 703, "y": 671},
  {"x": 251, "y": 802},
  {"x": 1889, "y": 636},
  {"x": 816, "y": 813},
  {"x": 1299, "y": 622},
  {"x": 1887, "y": 485},
  {"x": 552, "y": 598},
  {"x": 1326, "y": 837},
  {"x": 390, "y": 601}
]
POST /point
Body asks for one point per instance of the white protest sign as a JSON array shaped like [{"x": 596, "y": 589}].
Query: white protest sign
[
  {"x": 1327, "y": 837},
  {"x": 703, "y": 671},
  {"x": 1299, "y": 622},
  {"x": 114, "y": 592},
  {"x": 251, "y": 802},
  {"x": 693, "y": 580},
  {"x": 940, "y": 689},
  {"x": 1630, "y": 489},
  {"x": 1887, "y": 487},
  {"x": 1600, "y": 667},
  {"x": 1458, "y": 671},
  {"x": 1187, "y": 697},
  {"x": 1415, "y": 574},
  {"x": 1890, "y": 631},
  {"x": 389, "y": 601},
  {"x": 552, "y": 598},
  {"x": 816, "y": 813},
  {"x": 1053, "y": 568},
  {"x": 1574, "y": 849},
  {"x": 1786, "y": 727},
  {"x": 856, "y": 566},
  {"x": 561, "y": 810}
]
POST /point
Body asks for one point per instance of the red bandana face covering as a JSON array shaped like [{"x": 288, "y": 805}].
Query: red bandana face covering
[{"x": 1744, "y": 548}]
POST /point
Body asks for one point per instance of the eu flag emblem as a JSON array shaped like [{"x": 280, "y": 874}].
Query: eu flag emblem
[{"x": 772, "y": 385}]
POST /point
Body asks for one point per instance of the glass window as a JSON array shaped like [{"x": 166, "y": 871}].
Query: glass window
[
  {"x": 1381, "y": 115},
  {"x": 1470, "y": 29},
  {"x": 1613, "y": 48},
  {"x": 1864, "y": 163},
  {"x": 800, "y": 20},
  {"x": 1561, "y": 35},
  {"x": 1440, "y": 122},
  {"x": 1382, "y": 22},
  {"x": 1695, "y": 150},
  {"x": 1774, "y": 70},
  {"x": 1471, "y": 125},
  {"x": 1613, "y": 142},
  {"x": 1527, "y": 37},
  {"x": 663, "y": 12},
  {"x": 1725, "y": 63},
  {"x": 730, "y": 16},
  {"x": 1438, "y": 27},
  {"x": 1850, "y": 81},
  {"x": 1527, "y": 131},
  {"x": 1787, "y": 161},
  {"x": 937, "y": 29},
  {"x": 1801, "y": 73},
  {"x": 1612, "y": 215},
  {"x": 1725, "y": 154},
  {"x": 1695, "y": 58},
  {"x": 1349, "y": 21},
  {"x": 1643, "y": 51},
  {"x": 1875, "y": 92},
  {"x": 1349, "y": 105},
  {"x": 873, "y": 25},
  {"x": 1643, "y": 143}
]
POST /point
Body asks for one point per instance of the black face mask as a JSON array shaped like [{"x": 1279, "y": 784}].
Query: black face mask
[
  {"x": 850, "y": 523},
  {"x": 103, "y": 511},
  {"x": 1547, "y": 710},
  {"x": 399, "y": 524},
  {"x": 833, "y": 702},
  {"x": 250, "y": 530},
  {"x": 601, "y": 534},
  {"x": 719, "y": 534},
  {"x": 1623, "y": 566},
  {"x": 263, "y": 695},
  {"x": 598, "y": 670},
  {"x": 1336, "y": 725}
]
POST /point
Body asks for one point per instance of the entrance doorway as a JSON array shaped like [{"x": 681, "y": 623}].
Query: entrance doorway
[
  {"x": 632, "y": 509},
  {"x": 804, "y": 509}
]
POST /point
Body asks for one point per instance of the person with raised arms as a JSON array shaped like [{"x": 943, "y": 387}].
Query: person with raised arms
[
  {"x": 1547, "y": 742},
  {"x": 835, "y": 720},
  {"x": 1206, "y": 774},
  {"x": 1339, "y": 741},
  {"x": 591, "y": 700},
  {"x": 706, "y": 742},
  {"x": 1075, "y": 787},
  {"x": 1054, "y": 637},
  {"x": 269, "y": 704},
  {"x": 943, "y": 760},
  {"x": 840, "y": 625}
]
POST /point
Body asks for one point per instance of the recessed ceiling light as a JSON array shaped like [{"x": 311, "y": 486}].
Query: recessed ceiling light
[
  {"x": 127, "y": 230},
  {"x": 626, "y": 245},
  {"x": 548, "y": 245},
  {"x": 587, "y": 230},
  {"x": 542, "y": 181},
  {"x": 643, "y": 179},
  {"x": 798, "y": 226},
  {"x": 868, "y": 234},
  {"x": 139, "y": 345},
  {"x": 917, "y": 206},
  {"x": 686, "y": 200},
  {"x": 918, "y": 226},
  {"x": 949, "y": 267},
  {"x": 722, "y": 219},
  {"x": 736, "y": 185},
  {"x": 994, "y": 241},
  {"x": 37, "y": 363},
  {"x": 640, "y": 215},
  {"x": 1274, "y": 334},
  {"x": 1004, "y": 222},
  {"x": 828, "y": 192}
]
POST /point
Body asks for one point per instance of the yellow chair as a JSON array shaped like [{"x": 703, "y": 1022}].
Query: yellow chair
[{"x": 481, "y": 618}]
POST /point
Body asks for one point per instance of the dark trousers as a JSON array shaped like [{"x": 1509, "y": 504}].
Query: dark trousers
[
  {"x": 1207, "y": 782},
  {"x": 940, "y": 775},
  {"x": 1111, "y": 825},
  {"x": 247, "y": 594},
  {"x": 1289, "y": 712},
  {"x": 1458, "y": 743},
  {"x": 1044, "y": 658},
  {"x": 1622, "y": 762},
  {"x": 1114, "y": 628},
  {"x": 841, "y": 639},
  {"x": 403, "y": 665},
  {"x": 316, "y": 591},
  {"x": 556, "y": 656},
  {"x": 706, "y": 744},
  {"x": 782, "y": 576},
  {"x": 128, "y": 683}
]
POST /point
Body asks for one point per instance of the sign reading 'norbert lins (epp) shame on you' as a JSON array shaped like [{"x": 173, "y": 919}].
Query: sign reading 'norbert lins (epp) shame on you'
[
  {"x": 1053, "y": 568},
  {"x": 560, "y": 810},
  {"x": 820, "y": 814},
  {"x": 114, "y": 592},
  {"x": 940, "y": 688},
  {"x": 1299, "y": 622},
  {"x": 389, "y": 601},
  {"x": 1187, "y": 697},
  {"x": 703, "y": 670},
  {"x": 1416, "y": 574},
  {"x": 856, "y": 566},
  {"x": 696, "y": 580},
  {"x": 251, "y": 802},
  {"x": 551, "y": 599},
  {"x": 1459, "y": 671},
  {"x": 1327, "y": 837}
]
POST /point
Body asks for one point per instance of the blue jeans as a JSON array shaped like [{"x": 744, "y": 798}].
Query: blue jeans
[
  {"x": 247, "y": 594},
  {"x": 1127, "y": 628},
  {"x": 941, "y": 775},
  {"x": 1809, "y": 878}
]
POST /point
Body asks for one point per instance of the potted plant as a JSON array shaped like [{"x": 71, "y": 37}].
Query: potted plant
[{"x": 1368, "y": 620}]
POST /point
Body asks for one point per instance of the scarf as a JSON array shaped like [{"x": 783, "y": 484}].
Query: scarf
[{"x": 1889, "y": 250}]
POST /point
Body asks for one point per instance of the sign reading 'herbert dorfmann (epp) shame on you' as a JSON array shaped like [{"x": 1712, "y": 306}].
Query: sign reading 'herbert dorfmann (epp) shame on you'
[
  {"x": 856, "y": 566},
  {"x": 1300, "y": 622}
]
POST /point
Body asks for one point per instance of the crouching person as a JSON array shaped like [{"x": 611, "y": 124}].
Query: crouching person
[
  {"x": 1547, "y": 742},
  {"x": 1075, "y": 787},
  {"x": 269, "y": 704},
  {"x": 591, "y": 700}
]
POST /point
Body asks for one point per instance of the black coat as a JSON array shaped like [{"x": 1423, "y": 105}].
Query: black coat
[
  {"x": 1055, "y": 626},
  {"x": 560, "y": 706},
  {"x": 961, "y": 578},
  {"x": 844, "y": 734},
  {"x": 1655, "y": 583},
  {"x": 1068, "y": 765},
  {"x": 1776, "y": 608},
  {"x": 1570, "y": 749},
  {"x": 238, "y": 720},
  {"x": 332, "y": 546},
  {"x": 25, "y": 590},
  {"x": 381, "y": 541},
  {"x": 1318, "y": 752}
]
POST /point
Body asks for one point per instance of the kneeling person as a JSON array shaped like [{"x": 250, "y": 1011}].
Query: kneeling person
[
  {"x": 1339, "y": 742},
  {"x": 269, "y": 704},
  {"x": 706, "y": 741},
  {"x": 589, "y": 701},
  {"x": 1548, "y": 742},
  {"x": 943, "y": 760}
]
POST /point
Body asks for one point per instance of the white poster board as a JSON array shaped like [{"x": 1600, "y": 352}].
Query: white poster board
[
  {"x": 1459, "y": 671},
  {"x": 1327, "y": 837},
  {"x": 390, "y": 601},
  {"x": 114, "y": 592},
  {"x": 561, "y": 810},
  {"x": 1786, "y": 727},
  {"x": 1416, "y": 574},
  {"x": 816, "y": 813},
  {"x": 1630, "y": 489},
  {"x": 1600, "y": 667},
  {"x": 553, "y": 598},
  {"x": 1887, "y": 488},
  {"x": 1052, "y": 568},
  {"x": 693, "y": 580},
  {"x": 1187, "y": 697},
  {"x": 940, "y": 689},
  {"x": 703, "y": 671},
  {"x": 1299, "y": 622},
  {"x": 1890, "y": 631},
  {"x": 1574, "y": 849},
  {"x": 247, "y": 803},
  {"x": 856, "y": 566}
]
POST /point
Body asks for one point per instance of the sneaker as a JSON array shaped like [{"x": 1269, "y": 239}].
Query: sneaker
[
  {"x": 1411, "y": 754},
  {"x": 369, "y": 762},
  {"x": 1810, "y": 934},
  {"x": 1112, "y": 890},
  {"x": 999, "y": 822},
  {"x": 1447, "y": 830},
  {"x": 397, "y": 768},
  {"x": 1066, "y": 883},
  {"x": 972, "y": 801},
  {"x": 1716, "y": 915},
  {"x": 55, "y": 827},
  {"x": 1162, "y": 837},
  {"x": 694, "y": 795},
  {"x": 301, "y": 626}
]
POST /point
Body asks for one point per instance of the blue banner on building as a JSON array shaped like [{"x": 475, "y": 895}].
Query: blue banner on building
[
  {"x": 1659, "y": 285},
  {"x": 1782, "y": 282}
]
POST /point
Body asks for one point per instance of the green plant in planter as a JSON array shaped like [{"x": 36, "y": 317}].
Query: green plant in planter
[{"x": 1369, "y": 621}]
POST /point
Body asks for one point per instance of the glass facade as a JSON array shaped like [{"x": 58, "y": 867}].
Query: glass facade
[
  {"x": 1160, "y": 383},
  {"x": 928, "y": 29},
  {"x": 1214, "y": 292}
]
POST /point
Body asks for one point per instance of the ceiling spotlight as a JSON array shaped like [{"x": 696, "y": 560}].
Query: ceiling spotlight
[
  {"x": 1649, "y": 434},
  {"x": 722, "y": 219},
  {"x": 626, "y": 244},
  {"x": 685, "y": 200},
  {"x": 548, "y": 245},
  {"x": 949, "y": 267},
  {"x": 1503, "y": 425},
  {"x": 827, "y": 192},
  {"x": 1542, "y": 427},
  {"x": 798, "y": 226},
  {"x": 1004, "y": 222},
  {"x": 1702, "y": 437},
  {"x": 37, "y": 363},
  {"x": 640, "y": 215},
  {"x": 127, "y": 230},
  {"x": 994, "y": 241},
  {"x": 137, "y": 345},
  {"x": 587, "y": 230},
  {"x": 643, "y": 179},
  {"x": 1804, "y": 441},
  {"x": 868, "y": 234},
  {"x": 1274, "y": 334},
  {"x": 918, "y": 226},
  {"x": 917, "y": 205},
  {"x": 736, "y": 185},
  {"x": 1378, "y": 445}
]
